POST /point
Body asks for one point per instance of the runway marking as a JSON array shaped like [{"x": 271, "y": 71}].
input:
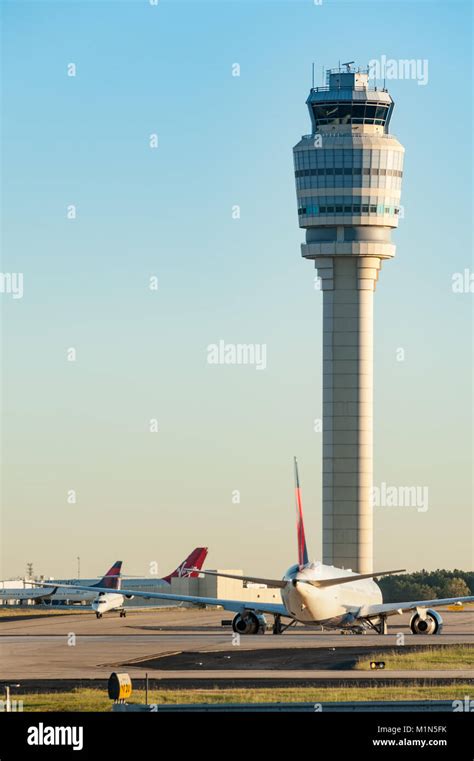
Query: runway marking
[{"x": 142, "y": 658}]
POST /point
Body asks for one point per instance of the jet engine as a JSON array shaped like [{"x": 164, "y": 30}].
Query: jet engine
[
  {"x": 249, "y": 623},
  {"x": 432, "y": 623}
]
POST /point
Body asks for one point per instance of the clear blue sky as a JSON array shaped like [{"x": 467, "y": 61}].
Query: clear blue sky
[{"x": 223, "y": 140}]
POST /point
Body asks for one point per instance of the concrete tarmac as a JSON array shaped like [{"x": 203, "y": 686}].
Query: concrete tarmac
[{"x": 78, "y": 646}]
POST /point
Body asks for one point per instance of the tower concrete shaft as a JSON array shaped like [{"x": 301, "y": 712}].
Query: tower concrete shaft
[{"x": 348, "y": 180}]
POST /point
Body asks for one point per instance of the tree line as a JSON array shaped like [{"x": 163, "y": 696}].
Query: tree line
[{"x": 427, "y": 585}]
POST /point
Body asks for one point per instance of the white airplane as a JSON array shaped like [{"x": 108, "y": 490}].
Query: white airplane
[
  {"x": 313, "y": 593},
  {"x": 106, "y": 601}
]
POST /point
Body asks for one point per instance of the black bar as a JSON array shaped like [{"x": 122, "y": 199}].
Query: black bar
[{"x": 358, "y": 735}]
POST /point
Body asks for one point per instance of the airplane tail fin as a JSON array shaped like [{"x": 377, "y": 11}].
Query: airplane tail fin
[
  {"x": 111, "y": 580},
  {"x": 302, "y": 548},
  {"x": 190, "y": 567}
]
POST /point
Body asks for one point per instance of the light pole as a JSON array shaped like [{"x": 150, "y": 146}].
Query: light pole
[{"x": 8, "y": 705}]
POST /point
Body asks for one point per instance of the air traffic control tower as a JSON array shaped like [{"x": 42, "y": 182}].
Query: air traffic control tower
[{"x": 348, "y": 181}]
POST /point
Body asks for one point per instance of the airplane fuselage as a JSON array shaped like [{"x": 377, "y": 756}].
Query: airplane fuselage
[
  {"x": 66, "y": 593},
  {"x": 61, "y": 595},
  {"x": 330, "y": 606}
]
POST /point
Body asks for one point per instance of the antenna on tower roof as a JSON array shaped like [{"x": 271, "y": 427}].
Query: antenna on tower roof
[
  {"x": 348, "y": 65},
  {"x": 312, "y": 77}
]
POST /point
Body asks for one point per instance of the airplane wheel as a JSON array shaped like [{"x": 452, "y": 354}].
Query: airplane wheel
[
  {"x": 123, "y": 614},
  {"x": 98, "y": 615}
]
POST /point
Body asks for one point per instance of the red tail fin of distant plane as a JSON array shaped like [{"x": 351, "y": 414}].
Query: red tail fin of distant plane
[
  {"x": 194, "y": 561},
  {"x": 111, "y": 580},
  {"x": 302, "y": 549}
]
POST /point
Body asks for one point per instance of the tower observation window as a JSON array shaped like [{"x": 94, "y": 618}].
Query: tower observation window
[
  {"x": 322, "y": 205},
  {"x": 349, "y": 113}
]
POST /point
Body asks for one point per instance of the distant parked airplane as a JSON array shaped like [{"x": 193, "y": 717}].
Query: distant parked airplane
[{"x": 87, "y": 593}]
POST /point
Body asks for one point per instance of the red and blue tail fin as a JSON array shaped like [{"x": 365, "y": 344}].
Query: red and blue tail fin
[
  {"x": 190, "y": 567},
  {"x": 302, "y": 549},
  {"x": 111, "y": 580}
]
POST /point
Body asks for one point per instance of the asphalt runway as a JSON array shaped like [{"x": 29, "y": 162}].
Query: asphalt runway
[{"x": 190, "y": 644}]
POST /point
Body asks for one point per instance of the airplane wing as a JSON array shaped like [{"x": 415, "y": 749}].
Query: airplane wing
[
  {"x": 274, "y": 583},
  {"x": 391, "y": 608},
  {"x": 281, "y": 584},
  {"x": 334, "y": 582},
  {"x": 236, "y": 606}
]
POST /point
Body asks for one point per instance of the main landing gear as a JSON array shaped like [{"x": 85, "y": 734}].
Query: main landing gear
[
  {"x": 98, "y": 615},
  {"x": 278, "y": 627},
  {"x": 381, "y": 627}
]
